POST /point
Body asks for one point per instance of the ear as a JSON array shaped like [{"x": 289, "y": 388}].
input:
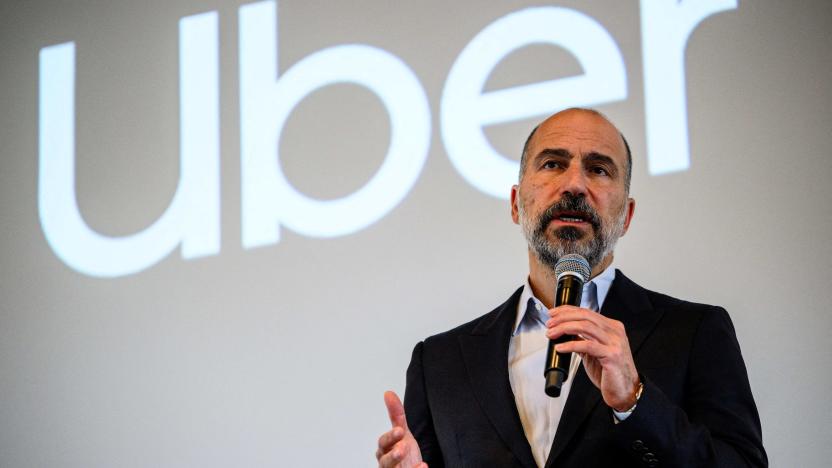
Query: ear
[
  {"x": 515, "y": 199},
  {"x": 631, "y": 209}
]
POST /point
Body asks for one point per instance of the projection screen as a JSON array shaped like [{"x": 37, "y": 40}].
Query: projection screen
[{"x": 225, "y": 225}]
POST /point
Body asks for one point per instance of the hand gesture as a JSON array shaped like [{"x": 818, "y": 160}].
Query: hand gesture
[{"x": 397, "y": 447}]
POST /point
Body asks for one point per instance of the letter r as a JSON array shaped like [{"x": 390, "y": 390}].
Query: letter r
[{"x": 666, "y": 26}]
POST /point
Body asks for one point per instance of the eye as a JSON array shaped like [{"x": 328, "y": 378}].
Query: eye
[
  {"x": 550, "y": 164},
  {"x": 599, "y": 170}
]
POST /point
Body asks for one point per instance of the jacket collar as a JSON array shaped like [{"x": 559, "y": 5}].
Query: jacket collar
[{"x": 485, "y": 351}]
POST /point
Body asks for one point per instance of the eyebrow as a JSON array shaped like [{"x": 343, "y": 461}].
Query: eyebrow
[
  {"x": 590, "y": 157},
  {"x": 548, "y": 152}
]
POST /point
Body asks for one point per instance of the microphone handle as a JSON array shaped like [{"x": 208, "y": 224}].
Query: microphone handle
[{"x": 568, "y": 292}]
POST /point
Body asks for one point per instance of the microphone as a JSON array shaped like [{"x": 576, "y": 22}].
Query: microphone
[{"x": 572, "y": 271}]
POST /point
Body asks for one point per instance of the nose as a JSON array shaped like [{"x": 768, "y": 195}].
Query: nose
[{"x": 574, "y": 180}]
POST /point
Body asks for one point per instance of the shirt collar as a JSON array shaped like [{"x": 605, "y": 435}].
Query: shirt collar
[
  {"x": 603, "y": 282},
  {"x": 530, "y": 306}
]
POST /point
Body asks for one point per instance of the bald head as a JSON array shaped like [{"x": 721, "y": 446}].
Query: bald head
[{"x": 568, "y": 114}]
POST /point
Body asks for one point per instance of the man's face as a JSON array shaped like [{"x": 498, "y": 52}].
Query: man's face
[{"x": 572, "y": 196}]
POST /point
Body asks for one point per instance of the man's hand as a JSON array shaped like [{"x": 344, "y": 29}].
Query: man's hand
[
  {"x": 603, "y": 346},
  {"x": 397, "y": 447}
]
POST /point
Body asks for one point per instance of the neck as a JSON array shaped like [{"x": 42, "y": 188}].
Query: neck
[{"x": 542, "y": 278}]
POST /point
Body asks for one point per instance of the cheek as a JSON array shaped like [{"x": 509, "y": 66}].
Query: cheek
[
  {"x": 616, "y": 207},
  {"x": 539, "y": 193},
  {"x": 610, "y": 198}
]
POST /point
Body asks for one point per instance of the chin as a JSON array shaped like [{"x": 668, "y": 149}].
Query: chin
[{"x": 569, "y": 234}]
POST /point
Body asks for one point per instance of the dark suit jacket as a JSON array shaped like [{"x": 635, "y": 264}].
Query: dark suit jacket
[{"x": 696, "y": 408}]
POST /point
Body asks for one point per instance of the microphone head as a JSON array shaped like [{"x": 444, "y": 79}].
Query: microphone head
[{"x": 573, "y": 264}]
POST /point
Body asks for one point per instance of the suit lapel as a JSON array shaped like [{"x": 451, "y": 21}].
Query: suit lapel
[
  {"x": 485, "y": 352},
  {"x": 628, "y": 303}
]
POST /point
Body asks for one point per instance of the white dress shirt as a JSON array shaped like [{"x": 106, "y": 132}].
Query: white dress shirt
[{"x": 539, "y": 413}]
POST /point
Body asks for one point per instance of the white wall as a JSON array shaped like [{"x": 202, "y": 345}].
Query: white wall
[{"x": 227, "y": 359}]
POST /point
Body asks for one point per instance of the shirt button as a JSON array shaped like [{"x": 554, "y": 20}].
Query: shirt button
[
  {"x": 537, "y": 306},
  {"x": 638, "y": 446}
]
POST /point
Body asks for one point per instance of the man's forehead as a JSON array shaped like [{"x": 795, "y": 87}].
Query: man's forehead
[{"x": 579, "y": 131}]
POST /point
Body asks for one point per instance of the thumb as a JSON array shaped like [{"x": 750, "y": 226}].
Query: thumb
[{"x": 395, "y": 410}]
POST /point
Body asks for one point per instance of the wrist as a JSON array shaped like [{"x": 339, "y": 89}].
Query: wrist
[{"x": 632, "y": 402}]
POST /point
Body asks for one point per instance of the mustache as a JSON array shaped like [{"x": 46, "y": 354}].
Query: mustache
[{"x": 570, "y": 203}]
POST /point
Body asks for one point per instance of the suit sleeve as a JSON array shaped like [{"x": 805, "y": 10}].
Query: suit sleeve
[
  {"x": 717, "y": 424},
  {"x": 417, "y": 410}
]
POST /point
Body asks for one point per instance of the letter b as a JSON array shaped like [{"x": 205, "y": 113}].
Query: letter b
[{"x": 268, "y": 199}]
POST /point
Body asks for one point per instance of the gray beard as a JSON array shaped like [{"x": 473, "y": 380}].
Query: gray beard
[{"x": 569, "y": 239}]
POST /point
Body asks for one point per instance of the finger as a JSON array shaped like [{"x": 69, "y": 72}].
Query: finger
[
  {"x": 395, "y": 410},
  {"x": 389, "y": 438},
  {"x": 587, "y": 348},
  {"x": 395, "y": 455},
  {"x": 389, "y": 459},
  {"x": 583, "y": 329},
  {"x": 576, "y": 315},
  {"x": 561, "y": 309},
  {"x": 570, "y": 317},
  {"x": 569, "y": 313}
]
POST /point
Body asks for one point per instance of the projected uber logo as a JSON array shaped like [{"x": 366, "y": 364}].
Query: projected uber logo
[{"x": 268, "y": 97}]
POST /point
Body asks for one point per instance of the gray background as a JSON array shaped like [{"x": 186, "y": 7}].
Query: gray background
[{"x": 226, "y": 360}]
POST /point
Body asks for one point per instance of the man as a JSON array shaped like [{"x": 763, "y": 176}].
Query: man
[{"x": 654, "y": 381}]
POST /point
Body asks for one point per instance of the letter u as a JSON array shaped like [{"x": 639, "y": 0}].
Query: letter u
[{"x": 193, "y": 216}]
